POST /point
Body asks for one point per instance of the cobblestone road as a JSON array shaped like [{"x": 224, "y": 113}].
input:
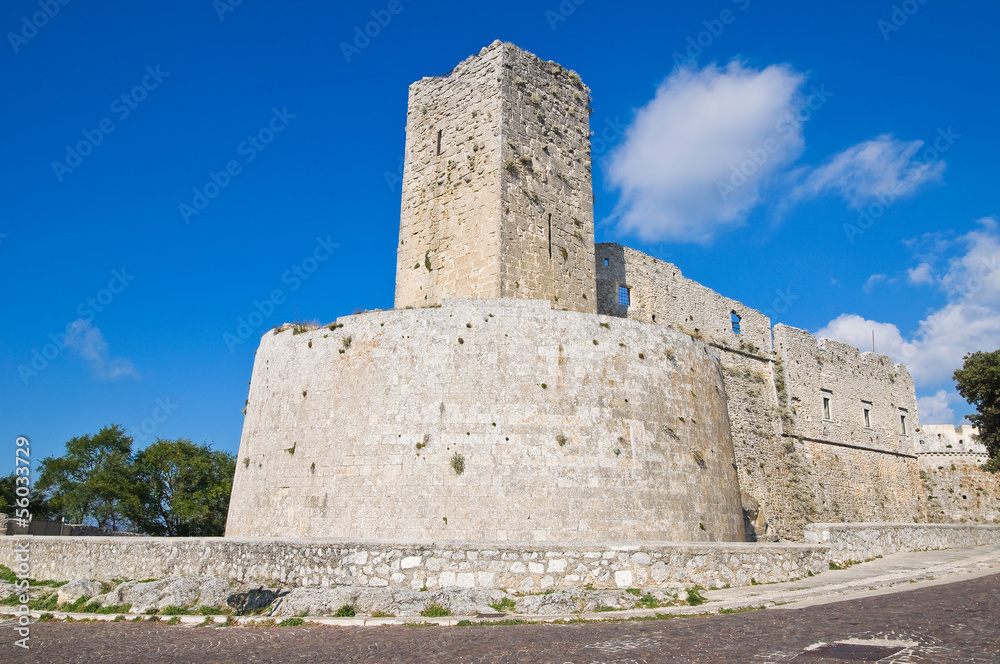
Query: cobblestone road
[{"x": 958, "y": 622}]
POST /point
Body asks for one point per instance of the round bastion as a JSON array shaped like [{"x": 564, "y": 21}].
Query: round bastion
[{"x": 487, "y": 420}]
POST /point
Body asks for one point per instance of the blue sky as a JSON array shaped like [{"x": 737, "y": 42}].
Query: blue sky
[{"x": 116, "y": 115}]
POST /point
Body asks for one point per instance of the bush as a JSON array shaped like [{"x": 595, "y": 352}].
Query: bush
[{"x": 346, "y": 611}]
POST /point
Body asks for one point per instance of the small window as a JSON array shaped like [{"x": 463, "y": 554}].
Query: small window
[
  {"x": 605, "y": 262},
  {"x": 827, "y": 405},
  {"x": 736, "y": 322},
  {"x": 868, "y": 418},
  {"x": 623, "y": 296},
  {"x": 902, "y": 424},
  {"x": 440, "y": 132}
]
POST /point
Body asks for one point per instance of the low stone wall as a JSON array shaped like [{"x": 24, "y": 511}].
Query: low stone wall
[
  {"x": 525, "y": 567},
  {"x": 319, "y": 562},
  {"x": 862, "y": 541}
]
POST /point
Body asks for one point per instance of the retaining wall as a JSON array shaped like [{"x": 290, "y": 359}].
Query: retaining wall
[
  {"x": 526, "y": 567},
  {"x": 862, "y": 541},
  {"x": 329, "y": 562}
]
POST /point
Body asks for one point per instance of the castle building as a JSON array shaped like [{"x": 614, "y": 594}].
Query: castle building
[{"x": 533, "y": 386}]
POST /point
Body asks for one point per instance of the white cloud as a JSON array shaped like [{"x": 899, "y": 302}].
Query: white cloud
[
  {"x": 857, "y": 331},
  {"x": 969, "y": 321},
  {"x": 89, "y": 343},
  {"x": 874, "y": 281},
  {"x": 935, "y": 409},
  {"x": 679, "y": 165},
  {"x": 881, "y": 168},
  {"x": 920, "y": 274}
]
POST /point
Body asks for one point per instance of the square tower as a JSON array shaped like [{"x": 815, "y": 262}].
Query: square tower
[{"x": 497, "y": 193}]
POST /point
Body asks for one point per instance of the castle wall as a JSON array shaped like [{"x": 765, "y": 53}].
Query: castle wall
[
  {"x": 660, "y": 294},
  {"x": 570, "y": 427},
  {"x": 497, "y": 191},
  {"x": 818, "y": 369},
  {"x": 795, "y": 465},
  {"x": 958, "y": 491},
  {"x": 948, "y": 439},
  {"x": 856, "y": 469}
]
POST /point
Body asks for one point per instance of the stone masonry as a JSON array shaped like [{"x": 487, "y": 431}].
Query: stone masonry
[
  {"x": 497, "y": 194},
  {"x": 817, "y": 425},
  {"x": 568, "y": 427},
  {"x": 545, "y": 388}
]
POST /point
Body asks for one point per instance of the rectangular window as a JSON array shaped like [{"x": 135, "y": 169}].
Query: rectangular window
[
  {"x": 623, "y": 296},
  {"x": 827, "y": 405},
  {"x": 735, "y": 318},
  {"x": 902, "y": 424},
  {"x": 605, "y": 262},
  {"x": 866, "y": 407}
]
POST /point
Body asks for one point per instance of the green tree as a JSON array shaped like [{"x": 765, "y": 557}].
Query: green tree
[
  {"x": 38, "y": 508},
  {"x": 184, "y": 488},
  {"x": 7, "y": 485},
  {"x": 93, "y": 482},
  {"x": 978, "y": 381}
]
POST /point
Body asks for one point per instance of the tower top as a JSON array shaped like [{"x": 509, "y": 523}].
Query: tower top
[{"x": 497, "y": 190}]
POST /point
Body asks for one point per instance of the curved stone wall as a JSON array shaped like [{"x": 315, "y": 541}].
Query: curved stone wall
[{"x": 487, "y": 420}]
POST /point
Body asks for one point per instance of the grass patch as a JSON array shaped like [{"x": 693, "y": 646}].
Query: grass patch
[
  {"x": 7, "y": 575},
  {"x": 435, "y": 610},
  {"x": 647, "y": 601},
  {"x": 46, "y": 617},
  {"x": 505, "y": 605},
  {"x": 634, "y": 591},
  {"x": 694, "y": 596},
  {"x": 383, "y": 614},
  {"x": 291, "y": 622},
  {"x": 174, "y": 621},
  {"x": 458, "y": 463},
  {"x": 175, "y": 611},
  {"x": 346, "y": 611}
]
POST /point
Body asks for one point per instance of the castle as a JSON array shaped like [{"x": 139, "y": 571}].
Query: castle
[{"x": 531, "y": 385}]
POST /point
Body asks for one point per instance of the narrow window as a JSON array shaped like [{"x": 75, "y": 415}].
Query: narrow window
[
  {"x": 736, "y": 321},
  {"x": 550, "y": 236},
  {"x": 868, "y": 417},
  {"x": 605, "y": 262},
  {"x": 902, "y": 424},
  {"x": 827, "y": 405},
  {"x": 440, "y": 131},
  {"x": 623, "y": 296}
]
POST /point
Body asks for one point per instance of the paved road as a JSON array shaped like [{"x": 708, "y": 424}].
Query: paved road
[{"x": 958, "y": 623}]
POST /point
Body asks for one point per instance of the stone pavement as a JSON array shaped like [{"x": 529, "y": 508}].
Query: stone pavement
[{"x": 941, "y": 620}]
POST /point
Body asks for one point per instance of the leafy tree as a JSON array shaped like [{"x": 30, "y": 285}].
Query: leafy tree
[
  {"x": 183, "y": 488},
  {"x": 8, "y": 484},
  {"x": 978, "y": 381},
  {"x": 93, "y": 482}
]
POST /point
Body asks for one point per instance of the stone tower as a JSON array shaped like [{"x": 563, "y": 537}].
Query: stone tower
[{"x": 497, "y": 191}]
